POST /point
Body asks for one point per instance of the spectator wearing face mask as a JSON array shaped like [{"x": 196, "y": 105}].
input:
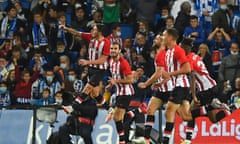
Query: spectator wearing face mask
[
  {"x": 62, "y": 70},
  {"x": 115, "y": 36},
  {"x": 4, "y": 95},
  {"x": 50, "y": 82},
  {"x": 229, "y": 68},
  {"x": 58, "y": 98},
  {"x": 221, "y": 18}
]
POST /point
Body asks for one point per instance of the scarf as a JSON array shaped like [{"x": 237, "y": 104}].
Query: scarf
[
  {"x": 61, "y": 35},
  {"x": 7, "y": 29},
  {"x": 39, "y": 35}
]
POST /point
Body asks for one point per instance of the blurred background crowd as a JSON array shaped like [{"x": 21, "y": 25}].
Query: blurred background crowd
[{"x": 39, "y": 60}]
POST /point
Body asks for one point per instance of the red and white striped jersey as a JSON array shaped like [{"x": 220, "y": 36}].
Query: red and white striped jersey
[
  {"x": 115, "y": 39},
  {"x": 160, "y": 62},
  {"x": 203, "y": 79},
  {"x": 119, "y": 70},
  {"x": 96, "y": 49},
  {"x": 174, "y": 59}
]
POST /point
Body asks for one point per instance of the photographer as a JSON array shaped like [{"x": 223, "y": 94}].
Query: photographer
[
  {"x": 229, "y": 70},
  {"x": 80, "y": 122}
]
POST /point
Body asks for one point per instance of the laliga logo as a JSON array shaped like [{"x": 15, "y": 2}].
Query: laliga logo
[
  {"x": 182, "y": 130},
  {"x": 223, "y": 129}
]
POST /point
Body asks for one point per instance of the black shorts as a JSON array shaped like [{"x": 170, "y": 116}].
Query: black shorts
[
  {"x": 179, "y": 94},
  {"x": 164, "y": 96},
  {"x": 95, "y": 76},
  {"x": 207, "y": 96},
  {"x": 123, "y": 101}
]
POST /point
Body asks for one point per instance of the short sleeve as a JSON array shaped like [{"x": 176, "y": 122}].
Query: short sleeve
[
  {"x": 106, "y": 48},
  {"x": 160, "y": 58},
  {"x": 125, "y": 67},
  {"x": 87, "y": 36},
  {"x": 180, "y": 55}
]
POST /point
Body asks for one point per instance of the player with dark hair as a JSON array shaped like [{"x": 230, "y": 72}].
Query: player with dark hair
[{"x": 98, "y": 51}]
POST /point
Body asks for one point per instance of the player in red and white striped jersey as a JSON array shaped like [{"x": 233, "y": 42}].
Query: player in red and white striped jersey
[
  {"x": 178, "y": 67},
  {"x": 164, "y": 86},
  {"x": 122, "y": 79},
  {"x": 206, "y": 91},
  {"x": 115, "y": 36},
  {"x": 98, "y": 51}
]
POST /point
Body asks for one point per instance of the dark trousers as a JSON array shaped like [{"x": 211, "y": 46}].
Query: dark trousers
[{"x": 75, "y": 128}]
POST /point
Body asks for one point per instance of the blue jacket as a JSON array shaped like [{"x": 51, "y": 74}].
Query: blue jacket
[{"x": 201, "y": 34}]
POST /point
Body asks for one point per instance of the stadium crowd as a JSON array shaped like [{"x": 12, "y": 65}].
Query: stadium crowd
[{"x": 42, "y": 51}]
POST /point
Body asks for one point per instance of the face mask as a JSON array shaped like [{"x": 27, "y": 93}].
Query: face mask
[
  {"x": 63, "y": 66},
  {"x": 49, "y": 78},
  {"x": 234, "y": 53},
  {"x": 3, "y": 90},
  {"x": 118, "y": 34},
  {"x": 59, "y": 101},
  {"x": 60, "y": 51},
  {"x": 164, "y": 17},
  {"x": 152, "y": 55},
  {"x": 143, "y": 31},
  {"x": 71, "y": 78},
  {"x": 45, "y": 5},
  {"x": 223, "y": 7}
]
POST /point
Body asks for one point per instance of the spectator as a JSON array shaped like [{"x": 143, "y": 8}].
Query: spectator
[
  {"x": 177, "y": 7},
  {"x": 206, "y": 10},
  {"x": 111, "y": 14},
  {"x": 60, "y": 34},
  {"x": 126, "y": 49},
  {"x": 5, "y": 99},
  {"x": 221, "y": 17},
  {"x": 19, "y": 41},
  {"x": 145, "y": 11},
  {"x": 235, "y": 94},
  {"x": 38, "y": 58},
  {"x": 115, "y": 36},
  {"x": 183, "y": 19},
  {"x": 38, "y": 32},
  {"x": 10, "y": 24},
  {"x": 58, "y": 98},
  {"x": 50, "y": 82},
  {"x": 6, "y": 47},
  {"x": 51, "y": 19},
  {"x": 219, "y": 42},
  {"x": 229, "y": 68},
  {"x": 16, "y": 54},
  {"x": 169, "y": 24},
  {"x": 5, "y": 67},
  {"x": 24, "y": 83},
  {"x": 127, "y": 13},
  {"x": 60, "y": 51},
  {"x": 62, "y": 70},
  {"x": 162, "y": 21},
  {"x": 11, "y": 84},
  {"x": 204, "y": 53},
  {"x": 141, "y": 43},
  {"x": 23, "y": 14},
  {"x": 46, "y": 99},
  {"x": 80, "y": 19},
  {"x": 195, "y": 32},
  {"x": 97, "y": 18},
  {"x": 143, "y": 27}
]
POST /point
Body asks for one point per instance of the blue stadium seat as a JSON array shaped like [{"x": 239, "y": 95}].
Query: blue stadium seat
[{"x": 126, "y": 30}]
